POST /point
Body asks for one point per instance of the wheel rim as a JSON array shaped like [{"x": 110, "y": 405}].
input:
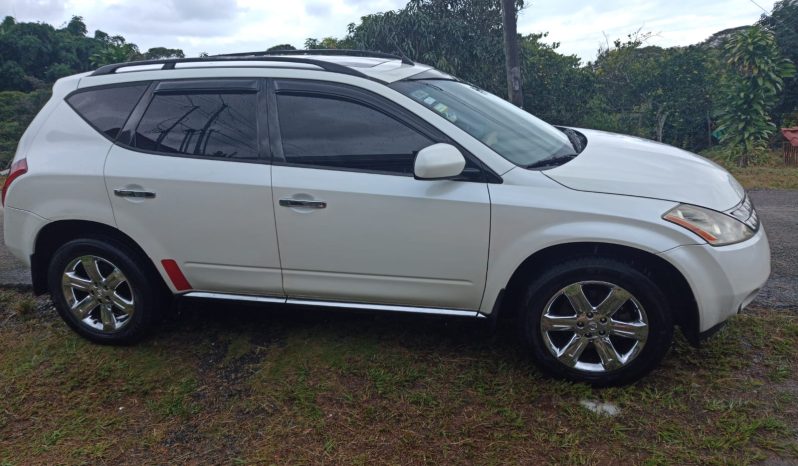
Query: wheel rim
[
  {"x": 98, "y": 294},
  {"x": 594, "y": 326}
]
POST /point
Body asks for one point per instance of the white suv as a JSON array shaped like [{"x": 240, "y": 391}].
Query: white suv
[{"x": 365, "y": 181}]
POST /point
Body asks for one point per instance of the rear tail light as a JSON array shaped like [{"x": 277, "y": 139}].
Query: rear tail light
[{"x": 18, "y": 168}]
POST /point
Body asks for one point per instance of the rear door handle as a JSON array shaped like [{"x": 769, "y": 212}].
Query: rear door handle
[
  {"x": 303, "y": 203},
  {"x": 134, "y": 193}
]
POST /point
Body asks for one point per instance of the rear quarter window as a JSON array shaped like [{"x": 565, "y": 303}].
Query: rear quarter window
[{"x": 107, "y": 108}]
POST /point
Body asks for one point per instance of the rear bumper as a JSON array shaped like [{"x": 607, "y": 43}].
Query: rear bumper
[
  {"x": 20, "y": 228},
  {"x": 724, "y": 279}
]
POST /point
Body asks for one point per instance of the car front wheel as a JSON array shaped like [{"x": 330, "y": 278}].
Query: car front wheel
[{"x": 596, "y": 320}]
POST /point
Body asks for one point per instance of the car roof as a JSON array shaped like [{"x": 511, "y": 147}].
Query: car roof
[
  {"x": 383, "y": 69},
  {"x": 373, "y": 65}
]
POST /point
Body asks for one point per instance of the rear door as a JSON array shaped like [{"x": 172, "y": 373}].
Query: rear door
[
  {"x": 353, "y": 223},
  {"x": 189, "y": 180}
]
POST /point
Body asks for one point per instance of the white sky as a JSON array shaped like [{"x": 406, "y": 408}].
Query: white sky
[{"x": 219, "y": 26}]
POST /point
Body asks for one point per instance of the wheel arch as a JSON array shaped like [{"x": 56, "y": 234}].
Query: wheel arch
[
  {"x": 55, "y": 234},
  {"x": 681, "y": 298}
]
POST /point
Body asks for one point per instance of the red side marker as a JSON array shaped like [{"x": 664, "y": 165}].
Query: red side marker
[{"x": 176, "y": 275}]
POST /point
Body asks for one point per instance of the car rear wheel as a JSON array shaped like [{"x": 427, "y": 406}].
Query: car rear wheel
[
  {"x": 102, "y": 291},
  {"x": 596, "y": 320}
]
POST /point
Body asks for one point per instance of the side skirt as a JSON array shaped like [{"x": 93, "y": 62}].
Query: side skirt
[{"x": 337, "y": 304}]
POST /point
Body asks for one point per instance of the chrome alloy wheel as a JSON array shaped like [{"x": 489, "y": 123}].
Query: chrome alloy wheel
[
  {"x": 594, "y": 326},
  {"x": 98, "y": 293}
]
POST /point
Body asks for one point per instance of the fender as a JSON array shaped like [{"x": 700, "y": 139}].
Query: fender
[{"x": 528, "y": 219}]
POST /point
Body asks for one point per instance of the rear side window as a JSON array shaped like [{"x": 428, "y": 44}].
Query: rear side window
[
  {"x": 202, "y": 124},
  {"x": 106, "y": 109},
  {"x": 330, "y": 132}
]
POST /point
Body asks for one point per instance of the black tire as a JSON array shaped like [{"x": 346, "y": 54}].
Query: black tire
[
  {"x": 145, "y": 290},
  {"x": 597, "y": 272}
]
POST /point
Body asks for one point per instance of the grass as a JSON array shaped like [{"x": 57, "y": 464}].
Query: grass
[
  {"x": 769, "y": 173},
  {"x": 248, "y": 385}
]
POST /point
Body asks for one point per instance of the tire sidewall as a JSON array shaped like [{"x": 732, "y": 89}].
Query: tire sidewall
[
  {"x": 120, "y": 256},
  {"x": 635, "y": 282}
]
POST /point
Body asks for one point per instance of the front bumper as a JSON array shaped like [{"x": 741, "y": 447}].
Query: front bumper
[{"x": 724, "y": 279}]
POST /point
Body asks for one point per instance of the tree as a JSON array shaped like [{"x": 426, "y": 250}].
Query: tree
[
  {"x": 653, "y": 92},
  {"x": 462, "y": 37},
  {"x": 556, "y": 87},
  {"x": 783, "y": 21},
  {"x": 755, "y": 77},
  {"x": 326, "y": 43},
  {"x": 512, "y": 53},
  {"x": 281, "y": 47},
  {"x": 116, "y": 50},
  {"x": 157, "y": 53},
  {"x": 76, "y": 26}
]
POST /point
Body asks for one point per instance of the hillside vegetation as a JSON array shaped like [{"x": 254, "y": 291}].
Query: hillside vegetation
[{"x": 34, "y": 55}]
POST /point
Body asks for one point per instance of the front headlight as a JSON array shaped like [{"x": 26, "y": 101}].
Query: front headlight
[{"x": 716, "y": 228}]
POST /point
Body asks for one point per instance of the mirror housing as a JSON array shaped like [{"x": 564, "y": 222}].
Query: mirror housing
[{"x": 438, "y": 162}]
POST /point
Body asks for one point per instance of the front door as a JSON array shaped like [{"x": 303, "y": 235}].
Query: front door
[{"x": 353, "y": 224}]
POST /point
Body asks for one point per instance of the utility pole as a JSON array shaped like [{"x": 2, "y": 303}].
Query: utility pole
[{"x": 512, "y": 53}]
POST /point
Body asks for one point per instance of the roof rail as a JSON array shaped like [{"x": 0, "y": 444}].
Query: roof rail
[
  {"x": 169, "y": 63},
  {"x": 346, "y": 52}
]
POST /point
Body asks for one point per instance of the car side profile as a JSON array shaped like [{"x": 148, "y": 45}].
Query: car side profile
[{"x": 358, "y": 180}]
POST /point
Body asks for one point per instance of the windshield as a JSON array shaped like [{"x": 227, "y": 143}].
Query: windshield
[{"x": 513, "y": 133}]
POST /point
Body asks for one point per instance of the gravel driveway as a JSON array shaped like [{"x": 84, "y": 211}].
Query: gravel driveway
[{"x": 777, "y": 208}]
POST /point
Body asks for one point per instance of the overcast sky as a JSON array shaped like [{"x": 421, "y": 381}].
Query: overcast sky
[{"x": 217, "y": 26}]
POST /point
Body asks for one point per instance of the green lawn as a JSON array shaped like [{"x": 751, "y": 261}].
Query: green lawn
[{"x": 247, "y": 385}]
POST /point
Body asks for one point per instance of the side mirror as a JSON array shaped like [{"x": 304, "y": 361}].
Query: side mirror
[{"x": 438, "y": 162}]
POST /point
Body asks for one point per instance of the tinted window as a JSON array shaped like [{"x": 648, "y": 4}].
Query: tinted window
[
  {"x": 107, "y": 109},
  {"x": 202, "y": 124},
  {"x": 335, "y": 133}
]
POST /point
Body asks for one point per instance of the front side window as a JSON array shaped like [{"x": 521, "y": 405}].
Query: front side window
[
  {"x": 107, "y": 108},
  {"x": 513, "y": 133},
  {"x": 326, "y": 131},
  {"x": 203, "y": 124}
]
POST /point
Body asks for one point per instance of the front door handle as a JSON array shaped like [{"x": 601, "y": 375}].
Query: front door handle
[
  {"x": 134, "y": 193},
  {"x": 288, "y": 202}
]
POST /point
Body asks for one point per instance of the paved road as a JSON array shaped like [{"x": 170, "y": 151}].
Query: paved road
[{"x": 777, "y": 208}]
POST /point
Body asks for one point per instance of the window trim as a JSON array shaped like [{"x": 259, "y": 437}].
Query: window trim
[
  {"x": 209, "y": 86},
  {"x": 360, "y": 96},
  {"x": 125, "y": 137},
  {"x": 83, "y": 90}
]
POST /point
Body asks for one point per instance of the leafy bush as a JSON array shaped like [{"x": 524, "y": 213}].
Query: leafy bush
[{"x": 752, "y": 88}]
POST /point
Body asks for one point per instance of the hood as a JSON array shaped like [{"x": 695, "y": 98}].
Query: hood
[{"x": 618, "y": 164}]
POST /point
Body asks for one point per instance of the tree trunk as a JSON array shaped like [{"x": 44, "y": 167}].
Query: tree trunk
[
  {"x": 512, "y": 53},
  {"x": 661, "y": 118},
  {"x": 709, "y": 130}
]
